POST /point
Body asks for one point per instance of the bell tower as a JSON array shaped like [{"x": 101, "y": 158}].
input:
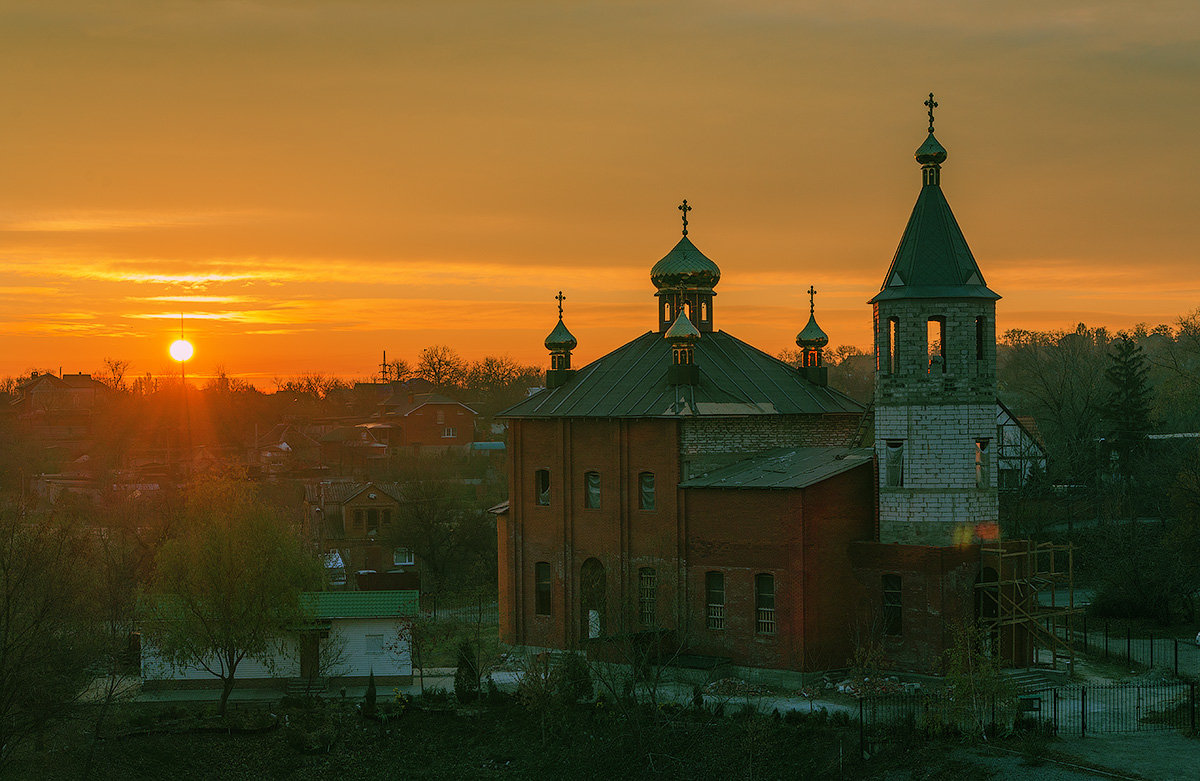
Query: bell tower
[{"x": 935, "y": 378}]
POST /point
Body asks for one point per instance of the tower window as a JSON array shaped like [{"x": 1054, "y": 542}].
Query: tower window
[
  {"x": 703, "y": 311},
  {"x": 893, "y": 606},
  {"x": 666, "y": 311},
  {"x": 936, "y": 339},
  {"x": 893, "y": 345},
  {"x": 541, "y": 486},
  {"x": 714, "y": 595},
  {"x": 764, "y": 603},
  {"x": 647, "y": 596},
  {"x": 894, "y": 463},
  {"x": 541, "y": 588},
  {"x": 646, "y": 498},
  {"x": 983, "y": 475},
  {"x": 980, "y": 327},
  {"x": 591, "y": 490}
]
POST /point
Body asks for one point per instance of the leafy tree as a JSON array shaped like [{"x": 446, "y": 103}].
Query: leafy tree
[
  {"x": 228, "y": 587},
  {"x": 49, "y": 624},
  {"x": 442, "y": 366},
  {"x": 980, "y": 688},
  {"x": 444, "y": 524}
]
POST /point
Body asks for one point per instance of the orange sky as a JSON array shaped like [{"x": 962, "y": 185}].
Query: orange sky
[{"x": 314, "y": 182}]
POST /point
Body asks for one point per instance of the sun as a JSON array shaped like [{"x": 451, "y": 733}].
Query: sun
[{"x": 181, "y": 349}]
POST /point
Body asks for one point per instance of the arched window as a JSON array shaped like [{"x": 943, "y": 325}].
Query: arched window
[
  {"x": 646, "y": 498},
  {"x": 980, "y": 327},
  {"x": 764, "y": 603},
  {"x": 983, "y": 472},
  {"x": 541, "y": 487},
  {"x": 714, "y": 599},
  {"x": 936, "y": 340},
  {"x": 894, "y": 463},
  {"x": 541, "y": 588},
  {"x": 591, "y": 599},
  {"x": 703, "y": 311},
  {"x": 893, "y": 345},
  {"x": 591, "y": 490}
]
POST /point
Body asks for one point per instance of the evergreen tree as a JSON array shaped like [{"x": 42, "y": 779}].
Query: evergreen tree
[{"x": 1127, "y": 410}]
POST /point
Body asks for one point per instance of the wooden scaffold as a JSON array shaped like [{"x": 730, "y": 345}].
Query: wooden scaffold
[{"x": 1025, "y": 602}]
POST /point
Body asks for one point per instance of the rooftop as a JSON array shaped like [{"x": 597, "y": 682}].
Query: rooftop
[{"x": 784, "y": 468}]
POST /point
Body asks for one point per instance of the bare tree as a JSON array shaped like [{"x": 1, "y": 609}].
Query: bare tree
[
  {"x": 441, "y": 365},
  {"x": 114, "y": 373}
]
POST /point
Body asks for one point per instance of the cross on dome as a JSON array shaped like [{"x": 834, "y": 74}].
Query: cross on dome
[
  {"x": 683, "y": 207},
  {"x": 560, "y": 298},
  {"x": 932, "y": 104},
  {"x": 812, "y": 300}
]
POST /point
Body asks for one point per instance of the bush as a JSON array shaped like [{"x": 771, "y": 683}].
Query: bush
[
  {"x": 466, "y": 674},
  {"x": 368, "y": 709},
  {"x": 573, "y": 679}
]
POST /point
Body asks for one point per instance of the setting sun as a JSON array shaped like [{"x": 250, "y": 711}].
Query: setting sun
[{"x": 181, "y": 349}]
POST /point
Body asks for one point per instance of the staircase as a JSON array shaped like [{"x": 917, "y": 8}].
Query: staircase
[{"x": 1031, "y": 679}]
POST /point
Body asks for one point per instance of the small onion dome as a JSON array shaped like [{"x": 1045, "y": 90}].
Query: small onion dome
[
  {"x": 812, "y": 335},
  {"x": 685, "y": 266},
  {"x": 682, "y": 329},
  {"x": 560, "y": 338},
  {"x": 931, "y": 152}
]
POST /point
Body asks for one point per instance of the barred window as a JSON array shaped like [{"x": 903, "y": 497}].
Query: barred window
[
  {"x": 647, "y": 596},
  {"x": 893, "y": 607},
  {"x": 591, "y": 490},
  {"x": 714, "y": 590},
  {"x": 764, "y": 603},
  {"x": 541, "y": 588}
]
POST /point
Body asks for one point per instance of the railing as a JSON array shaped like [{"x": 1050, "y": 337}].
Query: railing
[
  {"x": 1105, "y": 641},
  {"x": 715, "y": 617},
  {"x": 1068, "y": 711},
  {"x": 765, "y": 621}
]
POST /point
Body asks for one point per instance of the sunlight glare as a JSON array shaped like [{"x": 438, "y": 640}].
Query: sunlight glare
[{"x": 181, "y": 349}]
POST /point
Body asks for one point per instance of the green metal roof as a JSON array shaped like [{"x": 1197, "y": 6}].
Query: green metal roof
[
  {"x": 735, "y": 379},
  {"x": 784, "y": 468},
  {"x": 812, "y": 335},
  {"x": 560, "y": 338},
  {"x": 933, "y": 259},
  {"x": 359, "y": 604},
  {"x": 682, "y": 328}
]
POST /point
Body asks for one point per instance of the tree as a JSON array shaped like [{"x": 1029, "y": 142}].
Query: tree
[
  {"x": 228, "y": 587},
  {"x": 441, "y": 365},
  {"x": 48, "y": 622},
  {"x": 114, "y": 373},
  {"x": 1127, "y": 410},
  {"x": 441, "y": 521}
]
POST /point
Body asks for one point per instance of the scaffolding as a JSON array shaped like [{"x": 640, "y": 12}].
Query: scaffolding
[{"x": 1025, "y": 602}]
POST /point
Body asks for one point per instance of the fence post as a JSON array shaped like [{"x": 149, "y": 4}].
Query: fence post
[
  {"x": 1083, "y": 712},
  {"x": 1054, "y": 709},
  {"x": 862, "y": 730}
]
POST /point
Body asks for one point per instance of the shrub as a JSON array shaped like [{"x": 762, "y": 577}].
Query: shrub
[
  {"x": 368, "y": 709},
  {"x": 466, "y": 676},
  {"x": 573, "y": 679}
]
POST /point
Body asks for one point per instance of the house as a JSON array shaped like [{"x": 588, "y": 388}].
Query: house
[
  {"x": 347, "y": 636},
  {"x": 1020, "y": 449},
  {"x": 430, "y": 420},
  {"x": 357, "y": 520},
  {"x": 59, "y": 412},
  {"x": 285, "y": 448},
  {"x": 691, "y": 486}
]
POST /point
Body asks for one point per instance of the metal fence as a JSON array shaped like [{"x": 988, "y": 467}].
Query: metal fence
[
  {"x": 1117, "y": 643},
  {"x": 468, "y": 608},
  {"x": 1067, "y": 711}
]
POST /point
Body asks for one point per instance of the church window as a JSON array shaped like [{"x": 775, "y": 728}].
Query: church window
[
  {"x": 894, "y": 463},
  {"x": 980, "y": 327},
  {"x": 714, "y": 595},
  {"x": 591, "y": 599},
  {"x": 541, "y": 588},
  {"x": 647, "y": 596},
  {"x": 646, "y": 497},
  {"x": 541, "y": 484},
  {"x": 983, "y": 475},
  {"x": 666, "y": 311},
  {"x": 936, "y": 339},
  {"x": 893, "y": 345},
  {"x": 764, "y": 603},
  {"x": 591, "y": 490},
  {"x": 893, "y": 606},
  {"x": 703, "y": 311}
]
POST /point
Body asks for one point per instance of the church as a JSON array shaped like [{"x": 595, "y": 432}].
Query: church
[{"x": 692, "y": 485}]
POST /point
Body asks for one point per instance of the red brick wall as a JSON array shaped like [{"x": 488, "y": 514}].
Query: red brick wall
[{"x": 421, "y": 426}]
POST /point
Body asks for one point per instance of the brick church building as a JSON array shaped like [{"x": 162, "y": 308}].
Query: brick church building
[{"x": 692, "y": 485}]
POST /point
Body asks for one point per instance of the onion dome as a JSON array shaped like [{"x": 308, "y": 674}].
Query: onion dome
[
  {"x": 812, "y": 335},
  {"x": 931, "y": 152},
  {"x": 682, "y": 329},
  {"x": 560, "y": 338},
  {"x": 685, "y": 266}
]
